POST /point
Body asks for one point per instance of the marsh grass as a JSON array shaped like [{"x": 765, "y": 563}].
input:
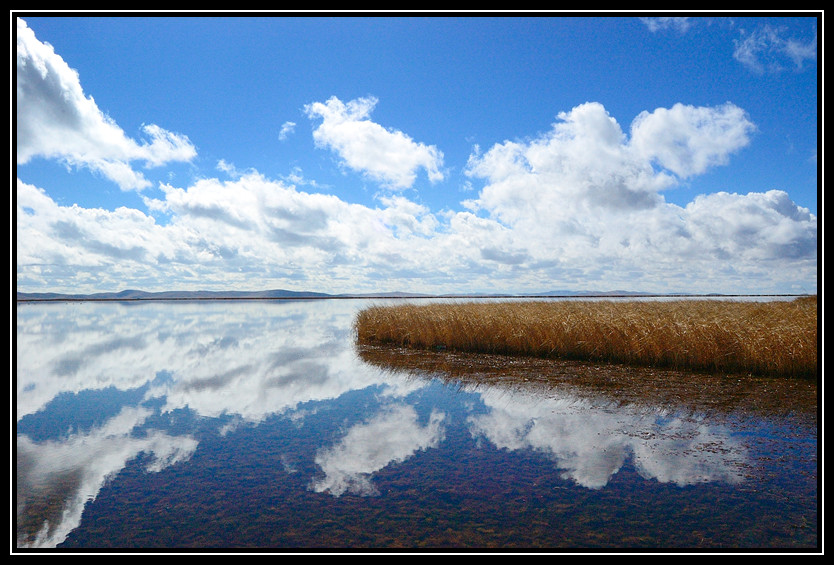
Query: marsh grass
[{"x": 766, "y": 338}]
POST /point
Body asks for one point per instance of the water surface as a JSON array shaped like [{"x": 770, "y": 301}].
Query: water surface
[{"x": 260, "y": 424}]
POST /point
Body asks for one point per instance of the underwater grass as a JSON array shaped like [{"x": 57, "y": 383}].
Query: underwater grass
[{"x": 776, "y": 338}]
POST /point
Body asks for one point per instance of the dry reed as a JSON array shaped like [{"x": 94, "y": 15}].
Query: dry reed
[{"x": 777, "y": 338}]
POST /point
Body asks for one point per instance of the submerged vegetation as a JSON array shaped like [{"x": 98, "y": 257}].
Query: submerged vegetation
[{"x": 777, "y": 338}]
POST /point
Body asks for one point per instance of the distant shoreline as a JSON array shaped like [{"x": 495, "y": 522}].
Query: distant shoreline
[{"x": 387, "y": 297}]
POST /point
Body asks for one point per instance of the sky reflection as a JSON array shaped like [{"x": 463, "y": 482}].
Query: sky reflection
[
  {"x": 590, "y": 444},
  {"x": 56, "y": 478},
  {"x": 235, "y": 365},
  {"x": 393, "y": 435}
]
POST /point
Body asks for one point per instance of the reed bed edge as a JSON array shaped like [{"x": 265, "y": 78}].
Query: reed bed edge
[{"x": 777, "y": 338}]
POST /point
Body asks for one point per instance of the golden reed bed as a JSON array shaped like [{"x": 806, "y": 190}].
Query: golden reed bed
[{"x": 777, "y": 338}]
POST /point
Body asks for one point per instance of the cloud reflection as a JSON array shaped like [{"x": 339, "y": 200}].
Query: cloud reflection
[
  {"x": 55, "y": 479},
  {"x": 244, "y": 362},
  {"x": 246, "y": 359},
  {"x": 392, "y": 436},
  {"x": 590, "y": 444}
]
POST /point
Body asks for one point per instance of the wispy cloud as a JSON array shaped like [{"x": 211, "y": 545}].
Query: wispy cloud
[
  {"x": 768, "y": 49},
  {"x": 287, "y": 128},
  {"x": 680, "y": 24}
]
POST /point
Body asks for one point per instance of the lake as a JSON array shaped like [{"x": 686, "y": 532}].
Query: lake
[{"x": 261, "y": 425}]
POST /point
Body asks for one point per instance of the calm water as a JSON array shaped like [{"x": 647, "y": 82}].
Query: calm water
[{"x": 239, "y": 424}]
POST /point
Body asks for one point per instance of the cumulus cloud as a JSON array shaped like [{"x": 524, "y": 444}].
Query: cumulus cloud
[
  {"x": 586, "y": 194},
  {"x": 56, "y": 120},
  {"x": 581, "y": 205},
  {"x": 586, "y": 162},
  {"x": 754, "y": 227},
  {"x": 219, "y": 235},
  {"x": 767, "y": 49},
  {"x": 548, "y": 185},
  {"x": 388, "y": 156},
  {"x": 687, "y": 140},
  {"x": 50, "y": 234}
]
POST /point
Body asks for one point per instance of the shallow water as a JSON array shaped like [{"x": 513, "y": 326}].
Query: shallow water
[{"x": 238, "y": 424}]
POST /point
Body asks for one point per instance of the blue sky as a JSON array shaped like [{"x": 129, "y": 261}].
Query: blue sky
[{"x": 424, "y": 153}]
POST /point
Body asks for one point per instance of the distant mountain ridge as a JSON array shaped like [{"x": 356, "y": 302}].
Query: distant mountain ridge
[
  {"x": 288, "y": 294},
  {"x": 172, "y": 295}
]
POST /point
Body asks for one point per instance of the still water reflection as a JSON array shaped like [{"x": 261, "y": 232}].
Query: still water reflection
[{"x": 259, "y": 424}]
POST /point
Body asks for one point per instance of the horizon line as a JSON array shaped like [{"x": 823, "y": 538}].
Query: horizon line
[{"x": 301, "y": 295}]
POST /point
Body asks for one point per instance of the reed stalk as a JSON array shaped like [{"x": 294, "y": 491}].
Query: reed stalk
[{"x": 766, "y": 338}]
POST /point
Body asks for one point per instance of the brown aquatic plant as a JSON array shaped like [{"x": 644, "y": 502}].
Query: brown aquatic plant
[{"x": 776, "y": 338}]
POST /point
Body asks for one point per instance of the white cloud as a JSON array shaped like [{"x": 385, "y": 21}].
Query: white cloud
[
  {"x": 287, "y": 128},
  {"x": 754, "y": 227},
  {"x": 580, "y": 206},
  {"x": 687, "y": 140},
  {"x": 385, "y": 155},
  {"x": 73, "y": 236},
  {"x": 221, "y": 235},
  {"x": 584, "y": 163},
  {"x": 56, "y": 120},
  {"x": 583, "y": 202},
  {"x": 680, "y": 24},
  {"x": 766, "y": 49}
]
